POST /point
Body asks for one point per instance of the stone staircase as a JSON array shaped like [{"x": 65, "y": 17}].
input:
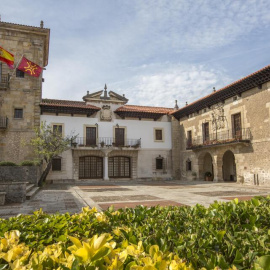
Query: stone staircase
[{"x": 31, "y": 190}]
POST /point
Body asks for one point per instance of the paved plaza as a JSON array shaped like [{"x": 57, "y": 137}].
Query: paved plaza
[{"x": 64, "y": 198}]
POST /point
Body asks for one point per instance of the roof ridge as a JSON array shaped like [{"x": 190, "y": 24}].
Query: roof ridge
[
  {"x": 25, "y": 25},
  {"x": 225, "y": 87},
  {"x": 148, "y": 106},
  {"x": 63, "y": 100}
]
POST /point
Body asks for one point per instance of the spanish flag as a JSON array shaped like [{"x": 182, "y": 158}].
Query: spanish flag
[{"x": 7, "y": 57}]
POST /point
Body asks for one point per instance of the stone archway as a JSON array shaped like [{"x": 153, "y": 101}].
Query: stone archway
[
  {"x": 229, "y": 166},
  {"x": 205, "y": 162}
]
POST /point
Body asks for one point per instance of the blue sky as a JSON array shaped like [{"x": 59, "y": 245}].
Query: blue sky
[{"x": 154, "y": 52}]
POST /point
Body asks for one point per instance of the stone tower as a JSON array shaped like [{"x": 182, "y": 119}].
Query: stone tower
[{"x": 20, "y": 93}]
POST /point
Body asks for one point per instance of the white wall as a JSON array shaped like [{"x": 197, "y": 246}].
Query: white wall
[{"x": 136, "y": 129}]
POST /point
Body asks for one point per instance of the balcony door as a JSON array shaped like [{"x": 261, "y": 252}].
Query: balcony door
[
  {"x": 205, "y": 129},
  {"x": 236, "y": 126},
  {"x": 91, "y": 136},
  {"x": 119, "y": 136}
]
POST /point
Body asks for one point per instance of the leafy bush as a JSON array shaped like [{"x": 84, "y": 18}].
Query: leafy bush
[
  {"x": 233, "y": 235},
  {"x": 7, "y": 163},
  {"x": 29, "y": 163}
]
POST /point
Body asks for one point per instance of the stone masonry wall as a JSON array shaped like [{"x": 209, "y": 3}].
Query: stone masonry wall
[
  {"x": 22, "y": 93},
  {"x": 252, "y": 160}
]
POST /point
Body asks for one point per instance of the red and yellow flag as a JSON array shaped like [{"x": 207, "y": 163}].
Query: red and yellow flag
[
  {"x": 29, "y": 67},
  {"x": 7, "y": 57}
]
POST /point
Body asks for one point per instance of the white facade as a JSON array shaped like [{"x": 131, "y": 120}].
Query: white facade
[{"x": 136, "y": 158}]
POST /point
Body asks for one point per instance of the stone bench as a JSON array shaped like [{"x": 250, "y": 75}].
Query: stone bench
[
  {"x": 14, "y": 191},
  {"x": 2, "y": 198}
]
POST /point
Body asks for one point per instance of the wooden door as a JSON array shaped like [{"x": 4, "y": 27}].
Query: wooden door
[
  {"x": 205, "y": 132},
  {"x": 91, "y": 136},
  {"x": 119, "y": 167},
  {"x": 119, "y": 137},
  {"x": 90, "y": 167},
  {"x": 236, "y": 126}
]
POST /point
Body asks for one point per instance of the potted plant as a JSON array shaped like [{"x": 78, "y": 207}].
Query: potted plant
[
  {"x": 208, "y": 176},
  {"x": 102, "y": 144}
]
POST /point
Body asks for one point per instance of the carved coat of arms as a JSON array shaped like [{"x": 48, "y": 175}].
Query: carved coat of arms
[{"x": 106, "y": 113}]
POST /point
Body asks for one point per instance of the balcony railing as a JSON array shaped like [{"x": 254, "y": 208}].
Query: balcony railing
[
  {"x": 107, "y": 142},
  {"x": 220, "y": 138},
  {"x": 3, "y": 122},
  {"x": 4, "y": 81}
]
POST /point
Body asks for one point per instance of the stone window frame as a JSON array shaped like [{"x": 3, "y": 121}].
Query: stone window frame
[
  {"x": 14, "y": 115},
  {"x": 59, "y": 124},
  {"x": 162, "y": 134}
]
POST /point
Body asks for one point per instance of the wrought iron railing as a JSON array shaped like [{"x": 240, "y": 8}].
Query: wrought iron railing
[
  {"x": 4, "y": 81},
  {"x": 102, "y": 142},
  {"x": 223, "y": 137},
  {"x": 3, "y": 122}
]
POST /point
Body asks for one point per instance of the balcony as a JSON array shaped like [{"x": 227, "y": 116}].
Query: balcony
[
  {"x": 220, "y": 138},
  {"x": 4, "y": 82},
  {"x": 3, "y": 122},
  {"x": 106, "y": 142}
]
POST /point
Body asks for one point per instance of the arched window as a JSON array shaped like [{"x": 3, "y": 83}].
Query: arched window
[{"x": 188, "y": 165}]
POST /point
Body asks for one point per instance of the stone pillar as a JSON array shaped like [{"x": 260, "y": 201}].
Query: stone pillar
[
  {"x": 106, "y": 152},
  {"x": 106, "y": 169},
  {"x": 217, "y": 166},
  {"x": 176, "y": 148}
]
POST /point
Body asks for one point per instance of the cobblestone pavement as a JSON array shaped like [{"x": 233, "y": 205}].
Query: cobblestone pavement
[{"x": 64, "y": 198}]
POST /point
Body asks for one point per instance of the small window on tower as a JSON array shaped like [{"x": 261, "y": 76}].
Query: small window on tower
[
  {"x": 18, "y": 113},
  {"x": 159, "y": 163},
  {"x": 188, "y": 165},
  {"x": 19, "y": 73}
]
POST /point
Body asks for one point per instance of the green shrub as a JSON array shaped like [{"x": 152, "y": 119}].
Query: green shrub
[
  {"x": 7, "y": 163},
  {"x": 29, "y": 163}
]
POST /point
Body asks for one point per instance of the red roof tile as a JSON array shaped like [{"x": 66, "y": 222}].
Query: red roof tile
[
  {"x": 67, "y": 103},
  {"x": 144, "y": 109}
]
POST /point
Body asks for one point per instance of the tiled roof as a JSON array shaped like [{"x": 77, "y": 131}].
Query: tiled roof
[
  {"x": 253, "y": 80},
  {"x": 144, "y": 109},
  {"x": 67, "y": 104}
]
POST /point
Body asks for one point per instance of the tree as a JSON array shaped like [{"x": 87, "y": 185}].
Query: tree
[{"x": 48, "y": 144}]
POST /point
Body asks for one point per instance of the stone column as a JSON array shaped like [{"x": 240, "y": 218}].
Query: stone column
[
  {"x": 106, "y": 164},
  {"x": 217, "y": 166}
]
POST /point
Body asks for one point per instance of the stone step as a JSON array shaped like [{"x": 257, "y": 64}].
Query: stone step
[
  {"x": 29, "y": 187},
  {"x": 30, "y": 194},
  {"x": 62, "y": 181}
]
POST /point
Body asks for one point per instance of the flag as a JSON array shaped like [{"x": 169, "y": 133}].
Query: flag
[
  {"x": 29, "y": 67},
  {"x": 7, "y": 57}
]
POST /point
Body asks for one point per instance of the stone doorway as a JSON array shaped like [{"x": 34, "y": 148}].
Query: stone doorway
[
  {"x": 229, "y": 166},
  {"x": 205, "y": 162}
]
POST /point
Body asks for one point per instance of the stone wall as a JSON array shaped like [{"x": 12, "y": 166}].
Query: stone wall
[
  {"x": 22, "y": 93},
  {"x": 252, "y": 159},
  {"x": 30, "y": 174},
  {"x": 15, "y": 191}
]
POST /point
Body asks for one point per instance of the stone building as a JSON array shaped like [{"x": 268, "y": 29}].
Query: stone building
[
  {"x": 226, "y": 134},
  {"x": 115, "y": 140},
  {"x": 20, "y": 94}
]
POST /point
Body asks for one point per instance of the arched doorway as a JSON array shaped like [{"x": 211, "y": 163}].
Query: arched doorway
[
  {"x": 119, "y": 167},
  {"x": 205, "y": 164},
  {"x": 90, "y": 167},
  {"x": 229, "y": 166},
  {"x": 208, "y": 165}
]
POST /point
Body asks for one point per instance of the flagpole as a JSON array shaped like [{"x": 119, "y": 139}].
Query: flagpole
[{"x": 16, "y": 67}]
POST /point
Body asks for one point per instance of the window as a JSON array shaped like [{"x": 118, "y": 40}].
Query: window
[
  {"x": 58, "y": 129},
  {"x": 188, "y": 165},
  {"x": 205, "y": 129},
  {"x": 19, "y": 74},
  {"x": 158, "y": 134},
  {"x": 18, "y": 113},
  {"x": 56, "y": 164},
  {"x": 159, "y": 163},
  {"x": 189, "y": 138}
]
